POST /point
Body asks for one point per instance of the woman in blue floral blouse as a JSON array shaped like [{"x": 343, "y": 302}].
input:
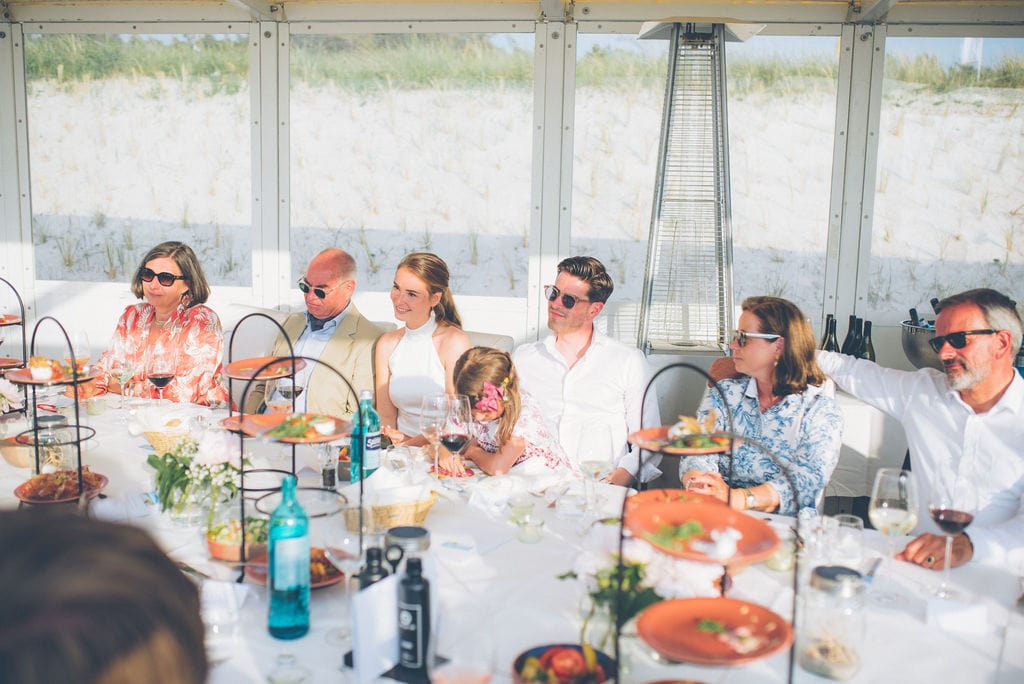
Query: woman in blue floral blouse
[{"x": 779, "y": 401}]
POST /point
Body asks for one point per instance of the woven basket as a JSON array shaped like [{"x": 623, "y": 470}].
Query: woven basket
[
  {"x": 164, "y": 442},
  {"x": 383, "y": 517}
]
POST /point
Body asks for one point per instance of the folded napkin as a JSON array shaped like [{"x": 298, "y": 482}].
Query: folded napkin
[
  {"x": 122, "y": 507},
  {"x": 165, "y": 417}
]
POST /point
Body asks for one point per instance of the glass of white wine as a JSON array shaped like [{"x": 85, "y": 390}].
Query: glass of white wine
[{"x": 893, "y": 512}]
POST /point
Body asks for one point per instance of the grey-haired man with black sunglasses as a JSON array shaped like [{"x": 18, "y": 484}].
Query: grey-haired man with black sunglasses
[{"x": 964, "y": 425}]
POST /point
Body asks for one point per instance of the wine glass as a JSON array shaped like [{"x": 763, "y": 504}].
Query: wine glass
[
  {"x": 287, "y": 388},
  {"x": 455, "y": 431},
  {"x": 78, "y": 355},
  {"x": 340, "y": 540},
  {"x": 893, "y": 512},
  {"x": 277, "y": 399},
  {"x": 433, "y": 410},
  {"x": 949, "y": 505},
  {"x": 160, "y": 370},
  {"x": 467, "y": 650}
]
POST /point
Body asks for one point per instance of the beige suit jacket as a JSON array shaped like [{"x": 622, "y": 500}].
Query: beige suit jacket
[{"x": 349, "y": 352}]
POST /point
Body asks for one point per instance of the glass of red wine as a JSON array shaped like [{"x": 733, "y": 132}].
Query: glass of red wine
[
  {"x": 160, "y": 370},
  {"x": 455, "y": 432},
  {"x": 950, "y": 504}
]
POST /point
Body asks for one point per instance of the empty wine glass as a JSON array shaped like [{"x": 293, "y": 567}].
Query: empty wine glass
[
  {"x": 951, "y": 506},
  {"x": 160, "y": 370},
  {"x": 893, "y": 512},
  {"x": 433, "y": 410},
  {"x": 341, "y": 543},
  {"x": 467, "y": 651},
  {"x": 78, "y": 355}
]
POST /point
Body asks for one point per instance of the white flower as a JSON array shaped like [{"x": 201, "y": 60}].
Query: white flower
[
  {"x": 216, "y": 447},
  {"x": 11, "y": 397}
]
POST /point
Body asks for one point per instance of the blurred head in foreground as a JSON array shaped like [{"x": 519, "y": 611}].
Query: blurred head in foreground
[{"x": 90, "y": 602}]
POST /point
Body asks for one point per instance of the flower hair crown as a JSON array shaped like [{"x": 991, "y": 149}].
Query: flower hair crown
[{"x": 491, "y": 396}]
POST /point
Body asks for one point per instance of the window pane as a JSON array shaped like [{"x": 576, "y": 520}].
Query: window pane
[
  {"x": 948, "y": 208},
  {"x": 620, "y": 90},
  {"x": 135, "y": 140},
  {"x": 782, "y": 96},
  {"x": 402, "y": 143}
]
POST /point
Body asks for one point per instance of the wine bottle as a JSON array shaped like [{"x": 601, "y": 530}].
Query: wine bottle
[
  {"x": 935, "y": 305},
  {"x": 374, "y": 571},
  {"x": 414, "y": 621},
  {"x": 824, "y": 335},
  {"x": 868, "y": 348},
  {"x": 914, "y": 320},
  {"x": 288, "y": 566},
  {"x": 850, "y": 335},
  {"x": 365, "y": 439},
  {"x": 857, "y": 346},
  {"x": 831, "y": 344}
]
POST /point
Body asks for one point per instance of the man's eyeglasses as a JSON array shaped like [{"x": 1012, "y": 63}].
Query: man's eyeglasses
[
  {"x": 740, "y": 337},
  {"x": 320, "y": 292},
  {"x": 568, "y": 301},
  {"x": 957, "y": 340},
  {"x": 166, "y": 279}
]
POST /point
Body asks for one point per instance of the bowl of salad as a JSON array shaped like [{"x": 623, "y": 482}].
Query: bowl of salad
[{"x": 224, "y": 539}]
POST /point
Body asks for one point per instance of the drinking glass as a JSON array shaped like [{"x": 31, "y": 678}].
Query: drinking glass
[
  {"x": 341, "y": 543},
  {"x": 466, "y": 649},
  {"x": 280, "y": 395},
  {"x": 950, "y": 506},
  {"x": 160, "y": 370},
  {"x": 433, "y": 411},
  {"x": 893, "y": 512},
  {"x": 456, "y": 429},
  {"x": 80, "y": 349}
]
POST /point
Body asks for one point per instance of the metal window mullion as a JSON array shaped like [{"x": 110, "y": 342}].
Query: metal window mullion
[{"x": 269, "y": 253}]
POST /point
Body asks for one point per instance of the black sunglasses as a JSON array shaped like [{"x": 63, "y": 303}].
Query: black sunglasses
[
  {"x": 166, "y": 279},
  {"x": 740, "y": 337},
  {"x": 568, "y": 301},
  {"x": 957, "y": 340},
  {"x": 320, "y": 292}
]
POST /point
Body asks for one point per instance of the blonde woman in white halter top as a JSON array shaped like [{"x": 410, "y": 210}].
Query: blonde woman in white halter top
[{"x": 418, "y": 359}]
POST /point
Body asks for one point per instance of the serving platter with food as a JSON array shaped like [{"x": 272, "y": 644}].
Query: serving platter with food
[
  {"x": 563, "y": 664},
  {"x": 296, "y": 428},
  {"x": 60, "y": 486},
  {"x": 249, "y": 369},
  {"x": 688, "y": 437},
  {"x": 43, "y": 371}
]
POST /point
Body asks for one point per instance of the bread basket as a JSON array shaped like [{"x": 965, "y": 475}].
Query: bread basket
[{"x": 379, "y": 517}]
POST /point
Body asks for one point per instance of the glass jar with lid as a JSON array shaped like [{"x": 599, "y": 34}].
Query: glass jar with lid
[
  {"x": 831, "y": 633},
  {"x": 51, "y": 443}
]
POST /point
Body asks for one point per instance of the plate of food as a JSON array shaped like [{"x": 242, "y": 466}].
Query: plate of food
[
  {"x": 60, "y": 486},
  {"x": 688, "y": 437},
  {"x": 9, "y": 319},
  {"x": 8, "y": 362},
  {"x": 443, "y": 473},
  {"x": 563, "y": 664},
  {"x": 43, "y": 371},
  {"x": 713, "y": 631},
  {"x": 699, "y": 532},
  {"x": 296, "y": 428},
  {"x": 322, "y": 573},
  {"x": 280, "y": 367},
  {"x": 662, "y": 495},
  {"x": 233, "y": 424},
  {"x": 224, "y": 540}
]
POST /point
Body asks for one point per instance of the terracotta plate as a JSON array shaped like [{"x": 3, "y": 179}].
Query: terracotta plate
[
  {"x": 256, "y": 569},
  {"x": 21, "y": 491},
  {"x": 671, "y": 628},
  {"x": 655, "y": 439},
  {"x": 758, "y": 542},
  {"x": 8, "y": 362},
  {"x": 262, "y": 424},
  {"x": 245, "y": 369},
  {"x": 24, "y": 376},
  {"x": 9, "y": 319},
  {"x": 232, "y": 424},
  {"x": 662, "y": 495}
]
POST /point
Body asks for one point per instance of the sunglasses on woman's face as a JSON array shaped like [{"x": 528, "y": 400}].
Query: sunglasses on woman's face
[
  {"x": 166, "y": 279},
  {"x": 320, "y": 292},
  {"x": 740, "y": 337},
  {"x": 957, "y": 340},
  {"x": 568, "y": 301}
]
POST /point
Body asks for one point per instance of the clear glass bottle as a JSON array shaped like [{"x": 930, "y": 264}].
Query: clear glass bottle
[
  {"x": 831, "y": 633},
  {"x": 288, "y": 566}
]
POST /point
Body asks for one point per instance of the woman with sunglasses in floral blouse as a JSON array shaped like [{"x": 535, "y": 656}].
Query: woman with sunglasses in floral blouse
[
  {"x": 778, "y": 402},
  {"x": 173, "y": 324}
]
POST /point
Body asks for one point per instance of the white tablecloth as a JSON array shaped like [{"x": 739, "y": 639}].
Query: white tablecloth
[{"x": 510, "y": 588}]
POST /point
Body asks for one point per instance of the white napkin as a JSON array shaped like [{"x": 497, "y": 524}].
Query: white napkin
[
  {"x": 121, "y": 507},
  {"x": 168, "y": 417},
  {"x": 958, "y": 616}
]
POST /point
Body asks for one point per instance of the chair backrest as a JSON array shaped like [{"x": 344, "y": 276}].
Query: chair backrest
[{"x": 482, "y": 339}]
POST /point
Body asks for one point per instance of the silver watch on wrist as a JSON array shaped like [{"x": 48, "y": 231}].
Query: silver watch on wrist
[{"x": 751, "y": 499}]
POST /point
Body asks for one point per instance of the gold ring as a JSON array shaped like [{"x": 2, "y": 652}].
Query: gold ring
[{"x": 930, "y": 560}]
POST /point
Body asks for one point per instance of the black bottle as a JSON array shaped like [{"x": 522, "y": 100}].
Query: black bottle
[
  {"x": 868, "y": 348},
  {"x": 851, "y": 335},
  {"x": 830, "y": 343},
  {"x": 824, "y": 336},
  {"x": 414, "y": 621},
  {"x": 857, "y": 346},
  {"x": 374, "y": 571}
]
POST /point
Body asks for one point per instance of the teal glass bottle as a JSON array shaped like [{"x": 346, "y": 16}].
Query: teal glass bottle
[
  {"x": 365, "y": 439},
  {"x": 288, "y": 566}
]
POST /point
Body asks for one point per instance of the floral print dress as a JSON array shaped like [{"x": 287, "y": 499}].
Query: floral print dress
[
  {"x": 803, "y": 432},
  {"x": 541, "y": 441},
  {"x": 192, "y": 337}
]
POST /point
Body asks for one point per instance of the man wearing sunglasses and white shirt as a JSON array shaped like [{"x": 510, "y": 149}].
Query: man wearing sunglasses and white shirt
[
  {"x": 587, "y": 383},
  {"x": 966, "y": 423},
  {"x": 331, "y": 330}
]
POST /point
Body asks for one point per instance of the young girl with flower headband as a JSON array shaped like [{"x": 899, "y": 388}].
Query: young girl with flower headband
[{"x": 508, "y": 424}]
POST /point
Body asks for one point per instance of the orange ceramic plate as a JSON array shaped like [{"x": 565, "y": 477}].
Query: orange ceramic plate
[
  {"x": 262, "y": 424},
  {"x": 9, "y": 319},
  {"x": 22, "y": 492},
  {"x": 7, "y": 362},
  {"x": 24, "y": 377},
  {"x": 245, "y": 369},
  {"x": 656, "y": 438},
  {"x": 232, "y": 423},
  {"x": 758, "y": 542},
  {"x": 663, "y": 495},
  {"x": 671, "y": 628},
  {"x": 256, "y": 569}
]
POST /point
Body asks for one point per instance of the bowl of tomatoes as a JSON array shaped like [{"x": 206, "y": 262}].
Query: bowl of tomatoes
[{"x": 563, "y": 664}]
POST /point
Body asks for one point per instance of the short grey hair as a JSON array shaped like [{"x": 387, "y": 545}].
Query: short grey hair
[{"x": 1000, "y": 311}]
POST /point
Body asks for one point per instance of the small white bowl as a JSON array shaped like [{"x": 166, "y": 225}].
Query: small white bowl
[
  {"x": 41, "y": 372},
  {"x": 324, "y": 427}
]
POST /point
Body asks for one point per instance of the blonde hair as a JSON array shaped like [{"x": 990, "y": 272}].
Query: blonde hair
[
  {"x": 432, "y": 270},
  {"x": 486, "y": 364}
]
